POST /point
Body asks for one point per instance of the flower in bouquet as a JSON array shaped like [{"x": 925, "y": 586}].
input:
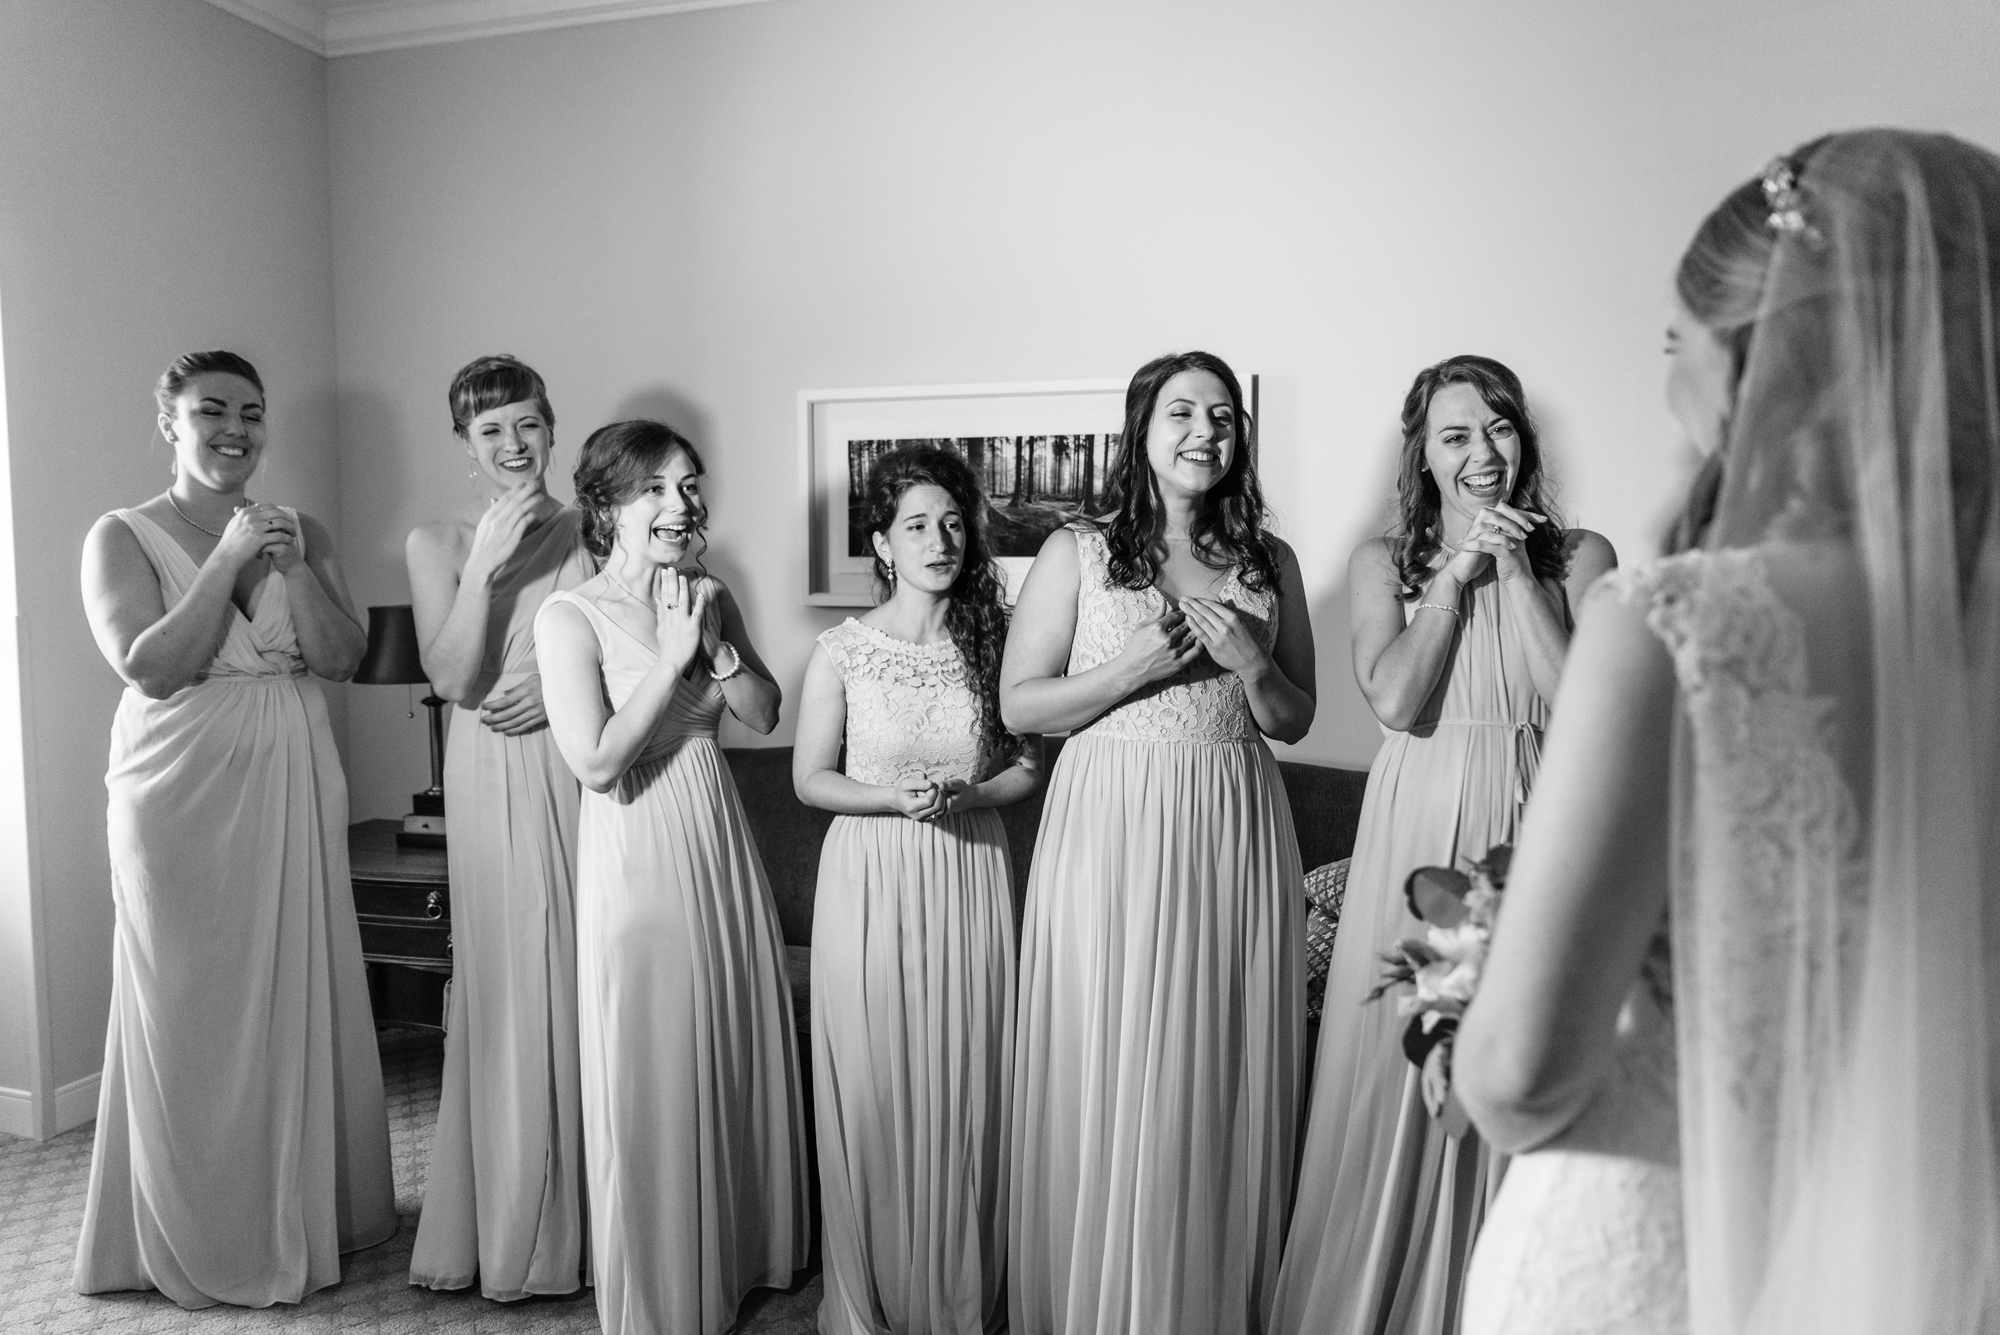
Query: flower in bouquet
[{"x": 1441, "y": 970}]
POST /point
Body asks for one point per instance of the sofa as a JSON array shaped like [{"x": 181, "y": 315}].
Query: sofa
[{"x": 1325, "y": 801}]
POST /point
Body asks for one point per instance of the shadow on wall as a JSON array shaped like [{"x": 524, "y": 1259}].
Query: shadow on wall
[
  {"x": 377, "y": 574},
  {"x": 1345, "y": 728},
  {"x": 387, "y": 747},
  {"x": 664, "y": 403}
]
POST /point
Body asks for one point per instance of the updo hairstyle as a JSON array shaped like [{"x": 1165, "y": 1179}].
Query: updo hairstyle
[
  {"x": 614, "y": 467},
  {"x": 494, "y": 382}
]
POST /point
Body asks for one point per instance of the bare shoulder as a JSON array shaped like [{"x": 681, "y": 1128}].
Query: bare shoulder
[
  {"x": 1060, "y": 544},
  {"x": 561, "y": 619},
  {"x": 319, "y": 538},
  {"x": 439, "y": 537},
  {"x": 1582, "y": 545},
  {"x": 111, "y": 533},
  {"x": 1374, "y": 558}
]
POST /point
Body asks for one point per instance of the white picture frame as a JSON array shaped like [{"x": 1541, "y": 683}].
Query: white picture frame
[{"x": 1062, "y": 434}]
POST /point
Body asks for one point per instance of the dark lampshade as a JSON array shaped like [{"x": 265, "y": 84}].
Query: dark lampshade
[{"x": 392, "y": 658}]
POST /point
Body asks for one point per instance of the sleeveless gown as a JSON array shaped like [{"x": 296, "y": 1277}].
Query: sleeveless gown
[
  {"x": 241, "y": 1144},
  {"x": 1387, "y": 1204},
  {"x": 504, "y": 1199},
  {"x": 1162, "y": 1004},
  {"x": 694, "y": 1129},
  {"x": 913, "y": 1010}
]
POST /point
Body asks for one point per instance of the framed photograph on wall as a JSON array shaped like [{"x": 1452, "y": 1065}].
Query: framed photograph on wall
[{"x": 1041, "y": 448}]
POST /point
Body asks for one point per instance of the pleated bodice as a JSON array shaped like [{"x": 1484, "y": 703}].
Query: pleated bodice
[
  {"x": 696, "y": 708},
  {"x": 262, "y": 644}
]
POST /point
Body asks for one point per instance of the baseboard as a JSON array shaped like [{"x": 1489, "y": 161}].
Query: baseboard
[
  {"x": 17, "y": 1112},
  {"x": 76, "y": 1102}
]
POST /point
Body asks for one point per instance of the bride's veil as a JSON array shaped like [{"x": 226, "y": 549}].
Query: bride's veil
[{"x": 1839, "y": 1002}]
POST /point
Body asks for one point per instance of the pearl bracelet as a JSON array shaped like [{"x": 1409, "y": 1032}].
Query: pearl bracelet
[
  {"x": 735, "y": 661},
  {"x": 1440, "y": 607}
]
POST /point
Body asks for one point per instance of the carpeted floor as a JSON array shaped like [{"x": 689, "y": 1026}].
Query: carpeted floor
[{"x": 41, "y": 1208}]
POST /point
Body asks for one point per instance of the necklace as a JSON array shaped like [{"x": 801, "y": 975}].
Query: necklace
[
  {"x": 646, "y": 603},
  {"x": 192, "y": 520}
]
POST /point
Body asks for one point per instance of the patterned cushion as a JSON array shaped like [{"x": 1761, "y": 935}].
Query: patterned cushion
[{"x": 1326, "y": 888}]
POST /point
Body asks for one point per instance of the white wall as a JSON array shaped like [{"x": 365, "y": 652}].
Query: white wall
[
  {"x": 163, "y": 187},
  {"x": 698, "y": 216}
]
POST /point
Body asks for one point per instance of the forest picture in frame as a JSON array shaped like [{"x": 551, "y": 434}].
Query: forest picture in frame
[{"x": 1042, "y": 450}]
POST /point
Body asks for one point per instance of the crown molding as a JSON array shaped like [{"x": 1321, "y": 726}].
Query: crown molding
[
  {"x": 335, "y": 28},
  {"x": 297, "y": 21}
]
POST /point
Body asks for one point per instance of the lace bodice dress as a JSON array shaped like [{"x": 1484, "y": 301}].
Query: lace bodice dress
[
  {"x": 1588, "y": 1232},
  {"x": 910, "y": 707},
  {"x": 913, "y": 1007},
  {"x": 1162, "y": 1003},
  {"x": 1201, "y": 703}
]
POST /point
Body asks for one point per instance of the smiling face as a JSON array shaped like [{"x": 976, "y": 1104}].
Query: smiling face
[
  {"x": 510, "y": 444},
  {"x": 1191, "y": 438},
  {"x": 217, "y": 430},
  {"x": 925, "y": 544},
  {"x": 1473, "y": 453},
  {"x": 661, "y": 524},
  {"x": 1701, "y": 379}
]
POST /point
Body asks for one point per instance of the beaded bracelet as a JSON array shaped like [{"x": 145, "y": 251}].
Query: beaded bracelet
[
  {"x": 1439, "y": 606},
  {"x": 735, "y": 661}
]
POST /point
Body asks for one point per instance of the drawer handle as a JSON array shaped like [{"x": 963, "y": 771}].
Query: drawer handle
[
  {"x": 434, "y": 904},
  {"x": 447, "y": 944}
]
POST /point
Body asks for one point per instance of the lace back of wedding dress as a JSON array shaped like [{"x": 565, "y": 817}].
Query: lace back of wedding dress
[{"x": 1836, "y": 910}]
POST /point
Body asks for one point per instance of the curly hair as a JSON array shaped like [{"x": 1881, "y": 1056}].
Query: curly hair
[
  {"x": 615, "y": 465},
  {"x": 1228, "y": 531},
  {"x": 1418, "y": 534},
  {"x": 977, "y": 618},
  {"x": 191, "y": 364},
  {"x": 486, "y": 383}
]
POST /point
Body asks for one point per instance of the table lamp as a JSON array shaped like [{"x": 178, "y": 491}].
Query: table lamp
[{"x": 392, "y": 660}]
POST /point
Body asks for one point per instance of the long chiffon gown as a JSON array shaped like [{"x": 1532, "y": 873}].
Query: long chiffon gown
[
  {"x": 912, "y": 1013},
  {"x": 1388, "y": 1205},
  {"x": 1162, "y": 1005},
  {"x": 241, "y": 1140},
  {"x": 504, "y": 1200},
  {"x": 693, "y": 1115}
]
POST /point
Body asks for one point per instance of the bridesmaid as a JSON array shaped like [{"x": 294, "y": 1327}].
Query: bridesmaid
[
  {"x": 504, "y": 1202},
  {"x": 694, "y": 1131},
  {"x": 1163, "y": 958},
  {"x": 1461, "y": 619},
  {"x": 241, "y": 1140},
  {"x": 913, "y": 925}
]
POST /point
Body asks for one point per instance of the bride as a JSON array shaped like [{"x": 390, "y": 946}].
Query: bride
[{"x": 1764, "y": 839}]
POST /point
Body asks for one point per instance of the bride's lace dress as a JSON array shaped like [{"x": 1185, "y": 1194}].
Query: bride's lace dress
[{"x": 1587, "y": 1232}]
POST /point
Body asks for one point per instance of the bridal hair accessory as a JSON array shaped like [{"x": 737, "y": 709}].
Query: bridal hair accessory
[
  {"x": 1459, "y": 910},
  {"x": 1787, "y": 204}
]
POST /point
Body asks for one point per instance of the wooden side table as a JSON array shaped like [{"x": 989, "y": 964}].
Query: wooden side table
[{"x": 402, "y": 899}]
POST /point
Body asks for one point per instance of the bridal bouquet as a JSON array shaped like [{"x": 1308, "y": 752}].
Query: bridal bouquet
[{"x": 1442, "y": 969}]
